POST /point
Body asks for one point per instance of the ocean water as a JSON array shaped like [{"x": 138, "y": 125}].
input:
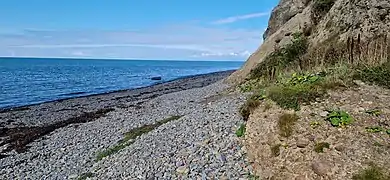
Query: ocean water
[{"x": 25, "y": 81}]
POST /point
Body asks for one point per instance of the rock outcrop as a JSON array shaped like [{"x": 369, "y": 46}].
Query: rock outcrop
[{"x": 323, "y": 20}]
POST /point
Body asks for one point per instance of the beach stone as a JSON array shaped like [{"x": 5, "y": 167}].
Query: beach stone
[
  {"x": 182, "y": 170},
  {"x": 321, "y": 168},
  {"x": 339, "y": 147},
  {"x": 323, "y": 114},
  {"x": 302, "y": 143},
  {"x": 157, "y": 78}
]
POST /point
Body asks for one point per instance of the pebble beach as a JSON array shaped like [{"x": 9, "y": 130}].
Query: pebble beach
[{"x": 199, "y": 143}]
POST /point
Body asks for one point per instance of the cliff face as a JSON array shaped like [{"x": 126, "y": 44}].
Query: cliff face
[{"x": 321, "y": 21}]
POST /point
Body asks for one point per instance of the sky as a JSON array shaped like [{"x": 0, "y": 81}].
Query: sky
[{"x": 133, "y": 29}]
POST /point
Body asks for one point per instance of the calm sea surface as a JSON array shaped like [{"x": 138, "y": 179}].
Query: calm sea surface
[{"x": 26, "y": 81}]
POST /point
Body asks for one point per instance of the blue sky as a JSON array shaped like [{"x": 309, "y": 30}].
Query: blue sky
[{"x": 133, "y": 29}]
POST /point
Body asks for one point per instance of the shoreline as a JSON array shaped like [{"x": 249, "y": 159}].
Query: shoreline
[
  {"x": 184, "y": 129},
  {"x": 23, "y": 125},
  {"x": 24, "y": 107}
]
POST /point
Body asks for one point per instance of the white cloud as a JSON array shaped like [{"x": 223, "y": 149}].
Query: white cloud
[
  {"x": 241, "y": 17},
  {"x": 168, "y": 42}
]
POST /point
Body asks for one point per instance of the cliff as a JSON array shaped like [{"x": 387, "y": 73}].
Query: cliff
[
  {"x": 319, "y": 88},
  {"x": 323, "y": 21}
]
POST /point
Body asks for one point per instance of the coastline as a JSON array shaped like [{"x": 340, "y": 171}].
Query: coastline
[
  {"x": 20, "y": 126},
  {"x": 23, "y": 107},
  {"x": 87, "y": 138}
]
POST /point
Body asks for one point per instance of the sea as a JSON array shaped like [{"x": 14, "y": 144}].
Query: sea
[{"x": 25, "y": 81}]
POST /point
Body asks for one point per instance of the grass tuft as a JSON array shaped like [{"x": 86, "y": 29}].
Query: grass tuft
[
  {"x": 275, "y": 150},
  {"x": 319, "y": 147},
  {"x": 286, "y": 124},
  {"x": 252, "y": 103},
  {"x": 131, "y": 135},
  {"x": 373, "y": 172},
  {"x": 291, "y": 97},
  {"x": 378, "y": 75}
]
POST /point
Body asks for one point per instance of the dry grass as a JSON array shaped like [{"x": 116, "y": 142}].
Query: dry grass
[{"x": 286, "y": 124}]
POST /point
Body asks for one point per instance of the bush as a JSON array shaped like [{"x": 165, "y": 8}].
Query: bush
[
  {"x": 281, "y": 58},
  {"x": 291, "y": 97},
  {"x": 286, "y": 124},
  {"x": 379, "y": 75}
]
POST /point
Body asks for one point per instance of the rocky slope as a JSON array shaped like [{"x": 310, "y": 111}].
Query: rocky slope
[
  {"x": 349, "y": 149},
  {"x": 326, "y": 23}
]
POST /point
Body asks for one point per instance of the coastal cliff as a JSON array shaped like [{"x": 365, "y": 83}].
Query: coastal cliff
[
  {"x": 324, "y": 22},
  {"x": 318, "y": 92}
]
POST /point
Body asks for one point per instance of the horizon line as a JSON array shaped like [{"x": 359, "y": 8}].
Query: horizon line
[{"x": 122, "y": 59}]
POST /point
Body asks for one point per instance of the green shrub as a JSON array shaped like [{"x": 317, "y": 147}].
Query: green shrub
[
  {"x": 241, "y": 130},
  {"x": 291, "y": 97},
  {"x": 339, "y": 118},
  {"x": 379, "y": 75},
  {"x": 319, "y": 147},
  {"x": 373, "y": 172},
  {"x": 286, "y": 124},
  {"x": 281, "y": 58}
]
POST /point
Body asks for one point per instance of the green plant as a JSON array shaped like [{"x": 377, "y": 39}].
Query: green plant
[
  {"x": 241, "y": 130},
  {"x": 291, "y": 97},
  {"x": 252, "y": 103},
  {"x": 375, "y": 129},
  {"x": 388, "y": 131},
  {"x": 275, "y": 150},
  {"x": 302, "y": 78},
  {"x": 372, "y": 172},
  {"x": 253, "y": 177},
  {"x": 376, "y": 143},
  {"x": 379, "y": 75},
  {"x": 85, "y": 176},
  {"x": 374, "y": 112},
  {"x": 314, "y": 124},
  {"x": 286, "y": 124},
  {"x": 319, "y": 147},
  {"x": 249, "y": 85},
  {"x": 339, "y": 118},
  {"x": 131, "y": 135},
  {"x": 282, "y": 58}
]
